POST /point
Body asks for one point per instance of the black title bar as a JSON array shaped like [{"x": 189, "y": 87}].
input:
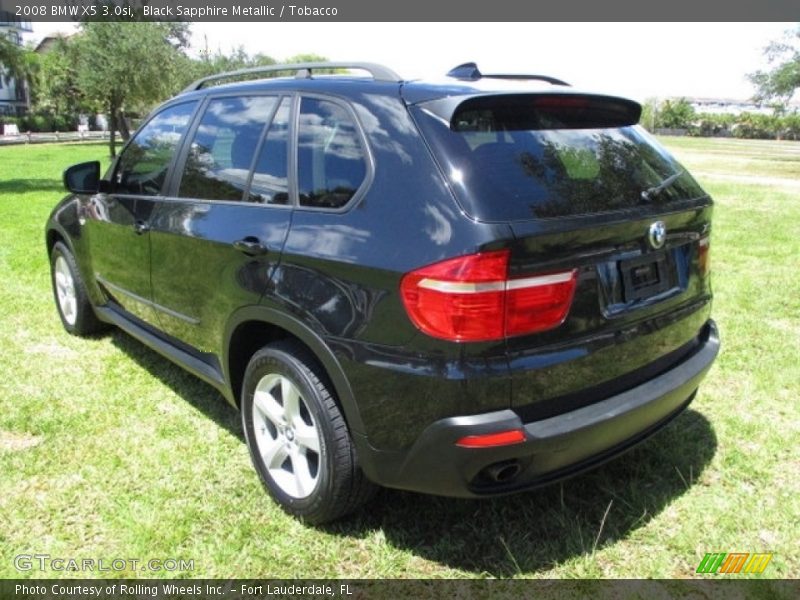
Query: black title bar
[{"x": 407, "y": 10}]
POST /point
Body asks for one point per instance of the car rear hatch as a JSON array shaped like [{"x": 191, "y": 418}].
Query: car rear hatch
[{"x": 589, "y": 198}]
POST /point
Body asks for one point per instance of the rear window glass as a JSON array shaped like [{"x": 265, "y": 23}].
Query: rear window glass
[{"x": 514, "y": 161}]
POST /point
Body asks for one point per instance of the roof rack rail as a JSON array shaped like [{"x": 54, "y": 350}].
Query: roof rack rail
[
  {"x": 470, "y": 71},
  {"x": 302, "y": 71}
]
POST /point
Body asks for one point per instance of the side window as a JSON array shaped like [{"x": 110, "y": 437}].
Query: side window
[
  {"x": 331, "y": 164},
  {"x": 223, "y": 147},
  {"x": 142, "y": 168},
  {"x": 270, "y": 183}
]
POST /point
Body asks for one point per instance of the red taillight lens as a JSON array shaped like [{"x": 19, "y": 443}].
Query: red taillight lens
[
  {"x": 539, "y": 303},
  {"x": 703, "y": 255},
  {"x": 461, "y": 299},
  {"x": 470, "y": 298},
  {"x": 490, "y": 440}
]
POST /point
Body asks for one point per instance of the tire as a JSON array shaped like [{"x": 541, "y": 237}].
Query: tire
[
  {"x": 302, "y": 450},
  {"x": 72, "y": 302}
]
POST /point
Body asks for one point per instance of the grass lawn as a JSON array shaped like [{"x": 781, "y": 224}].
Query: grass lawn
[{"x": 109, "y": 451}]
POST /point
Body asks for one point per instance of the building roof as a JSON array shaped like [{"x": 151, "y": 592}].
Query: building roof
[{"x": 47, "y": 43}]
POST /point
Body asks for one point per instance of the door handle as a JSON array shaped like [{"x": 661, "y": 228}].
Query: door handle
[
  {"x": 251, "y": 246},
  {"x": 141, "y": 227}
]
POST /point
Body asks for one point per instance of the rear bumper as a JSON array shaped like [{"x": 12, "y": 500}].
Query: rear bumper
[{"x": 554, "y": 448}]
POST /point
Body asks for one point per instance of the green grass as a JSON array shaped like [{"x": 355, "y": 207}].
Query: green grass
[{"x": 109, "y": 451}]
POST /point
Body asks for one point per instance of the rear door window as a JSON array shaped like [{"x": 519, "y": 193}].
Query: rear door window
[
  {"x": 509, "y": 159},
  {"x": 223, "y": 147}
]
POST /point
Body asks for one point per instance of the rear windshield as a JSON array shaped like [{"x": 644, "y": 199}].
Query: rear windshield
[{"x": 509, "y": 159}]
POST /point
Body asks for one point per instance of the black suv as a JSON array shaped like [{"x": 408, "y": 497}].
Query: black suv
[{"x": 466, "y": 287}]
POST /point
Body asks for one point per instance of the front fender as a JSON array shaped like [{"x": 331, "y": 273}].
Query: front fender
[{"x": 64, "y": 224}]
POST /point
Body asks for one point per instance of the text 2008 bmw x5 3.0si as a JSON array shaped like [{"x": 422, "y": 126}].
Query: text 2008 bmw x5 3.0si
[{"x": 465, "y": 287}]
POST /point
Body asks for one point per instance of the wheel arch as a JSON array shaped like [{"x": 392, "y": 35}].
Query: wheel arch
[
  {"x": 63, "y": 224},
  {"x": 55, "y": 232},
  {"x": 52, "y": 237},
  {"x": 252, "y": 327}
]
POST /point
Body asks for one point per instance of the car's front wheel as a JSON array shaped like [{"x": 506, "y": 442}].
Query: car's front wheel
[
  {"x": 74, "y": 308},
  {"x": 298, "y": 439}
]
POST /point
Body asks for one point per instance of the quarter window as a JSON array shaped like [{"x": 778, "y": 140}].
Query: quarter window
[
  {"x": 331, "y": 164},
  {"x": 142, "y": 167},
  {"x": 223, "y": 148}
]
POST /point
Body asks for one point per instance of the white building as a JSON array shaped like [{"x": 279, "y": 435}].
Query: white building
[
  {"x": 13, "y": 95},
  {"x": 729, "y": 106}
]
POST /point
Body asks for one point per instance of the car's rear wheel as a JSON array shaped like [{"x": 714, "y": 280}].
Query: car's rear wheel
[
  {"x": 69, "y": 291},
  {"x": 298, "y": 439}
]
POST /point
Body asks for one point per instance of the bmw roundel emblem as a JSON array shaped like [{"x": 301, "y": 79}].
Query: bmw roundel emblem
[{"x": 657, "y": 235}]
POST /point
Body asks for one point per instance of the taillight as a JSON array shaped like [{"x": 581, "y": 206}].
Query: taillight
[
  {"x": 703, "y": 255},
  {"x": 471, "y": 298},
  {"x": 538, "y": 303}
]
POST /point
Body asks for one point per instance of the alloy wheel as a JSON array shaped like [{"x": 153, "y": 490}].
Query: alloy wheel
[
  {"x": 286, "y": 435},
  {"x": 65, "y": 291}
]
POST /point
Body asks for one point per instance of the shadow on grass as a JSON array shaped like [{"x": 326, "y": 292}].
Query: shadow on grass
[
  {"x": 199, "y": 394},
  {"x": 519, "y": 534},
  {"x": 537, "y": 530},
  {"x": 22, "y": 186}
]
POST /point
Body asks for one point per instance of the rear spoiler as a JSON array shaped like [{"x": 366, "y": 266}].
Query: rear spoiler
[{"x": 570, "y": 109}]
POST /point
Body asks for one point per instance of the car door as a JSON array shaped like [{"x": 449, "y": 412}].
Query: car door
[
  {"x": 117, "y": 222},
  {"x": 218, "y": 237}
]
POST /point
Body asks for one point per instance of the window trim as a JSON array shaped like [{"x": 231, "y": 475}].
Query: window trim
[
  {"x": 289, "y": 98},
  {"x": 170, "y": 189}
]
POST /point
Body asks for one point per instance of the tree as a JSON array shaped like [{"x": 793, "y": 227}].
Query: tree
[
  {"x": 57, "y": 87},
  {"x": 676, "y": 114},
  {"x": 301, "y": 58},
  {"x": 17, "y": 62},
  {"x": 781, "y": 82},
  {"x": 210, "y": 64},
  {"x": 125, "y": 67},
  {"x": 649, "y": 118},
  {"x": 11, "y": 57}
]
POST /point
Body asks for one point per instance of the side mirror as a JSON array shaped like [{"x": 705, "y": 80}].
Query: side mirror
[{"x": 83, "y": 178}]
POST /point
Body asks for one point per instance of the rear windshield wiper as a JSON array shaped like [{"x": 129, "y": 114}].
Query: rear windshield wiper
[{"x": 654, "y": 191}]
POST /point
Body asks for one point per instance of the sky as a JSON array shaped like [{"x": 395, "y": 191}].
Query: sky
[{"x": 637, "y": 60}]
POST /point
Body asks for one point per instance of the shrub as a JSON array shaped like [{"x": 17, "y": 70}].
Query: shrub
[
  {"x": 754, "y": 126},
  {"x": 46, "y": 122},
  {"x": 64, "y": 123},
  {"x": 38, "y": 123}
]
